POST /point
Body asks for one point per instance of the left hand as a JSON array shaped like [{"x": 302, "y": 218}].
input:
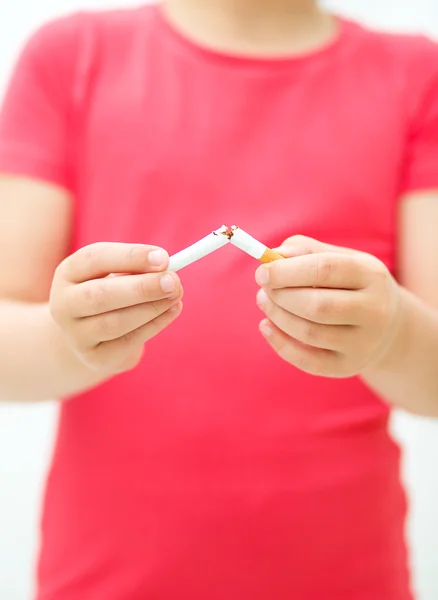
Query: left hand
[{"x": 331, "y": 311}]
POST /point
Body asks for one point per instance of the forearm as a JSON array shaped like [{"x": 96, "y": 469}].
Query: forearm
[
  {"x": 36, "y": 362},
  {"x": 407, "y": 376}
]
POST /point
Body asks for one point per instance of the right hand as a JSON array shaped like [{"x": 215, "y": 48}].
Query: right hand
[{"x": 109, "y": 299}]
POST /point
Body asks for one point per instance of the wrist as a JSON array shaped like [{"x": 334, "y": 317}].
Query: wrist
[{"x": 391, "y": 355}]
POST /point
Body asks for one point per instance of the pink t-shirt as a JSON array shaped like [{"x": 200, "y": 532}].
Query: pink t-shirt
[{"x": 215, "y": 470}]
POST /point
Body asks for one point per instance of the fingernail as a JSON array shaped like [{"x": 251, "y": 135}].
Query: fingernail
[
  {"x": 262, "y": 298},
  {"x": 167, "y": 283},
  {"x": 175, "y": 308},
  {"x": 157, "y": 257},
  {"x": 262, "y": 276},
  {"x": 266, "y": 329}
]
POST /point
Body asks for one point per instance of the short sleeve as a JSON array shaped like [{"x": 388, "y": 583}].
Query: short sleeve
[
  {"x": 421, "y": 157},
  {"x": 36, "y": 112}
]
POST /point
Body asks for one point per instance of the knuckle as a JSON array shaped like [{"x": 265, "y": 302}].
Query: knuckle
[
  {"x": 345, "y": 305},
  {"x": 136, "y": 255},
  {"x": 302, "y": 363},
  {"x": 108, "y": 326},
  {"x": 295, "y": 356},
  {"x": 321, "y": 306},
  {"x": 130, "y": 338},
  {"x": 325, "y": 269},
  {"x": 144, "y": 287},
  {"x": 90, "y": 254},
  {"x": 341, "y": 308},
  {"x": 311, "y": 332},
  {"x": 322, "y": 336},
  {"x": 87, "y": 254},
  {"x": 156, "y": 309},
  {"x": 95, "y": 296}
]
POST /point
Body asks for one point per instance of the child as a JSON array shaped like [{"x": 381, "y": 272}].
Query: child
[{"x": 198, "y": 457}]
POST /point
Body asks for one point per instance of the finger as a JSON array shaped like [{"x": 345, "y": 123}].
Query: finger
[
  {"x": 112, "y": 293},
  {"x": 102, "y": 259},
  {"x": 325, "y": 270},
  {"x": 327, "y": 337},
  {"x": 324, "y": 306},
  {"x": 292, "y": 251},
  {"x": 297, "y": 245},
  {"x": 116, "y": 324},
  {"x": 314, "y": 361},
  {"x": 115, "y": 351}
]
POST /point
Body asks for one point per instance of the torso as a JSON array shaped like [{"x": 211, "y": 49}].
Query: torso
[{"x": 215, "y": 470}]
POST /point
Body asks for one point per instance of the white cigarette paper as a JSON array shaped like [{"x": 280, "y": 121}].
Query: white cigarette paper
[
  {"x": 247, "y": 243},
  {"x": 204, "y": 247},
  {"x": 253, "y": 247}
]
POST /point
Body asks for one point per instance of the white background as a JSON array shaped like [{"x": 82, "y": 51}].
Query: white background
[{"x": 26, "y": 432}]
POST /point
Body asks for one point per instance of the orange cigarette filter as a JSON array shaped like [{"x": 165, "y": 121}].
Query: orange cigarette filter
[{"x": 270, "y": 256}]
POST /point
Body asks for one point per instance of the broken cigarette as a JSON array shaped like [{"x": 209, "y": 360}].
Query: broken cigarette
[
  {"x": 219, "y": 238},
  {"x": 253, "y": 247},
  {"x": 204, "y": 247}
]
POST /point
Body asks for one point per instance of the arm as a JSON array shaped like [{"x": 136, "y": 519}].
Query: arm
[
  {"x": 61, "y": 337},
  {"x": 339, "y": 313},
  {"x": 36, "y": 362},
  {"x": 408, "y": 375},
  {"x": 35, "y": 218},
  {"x": 335, "y": 312}
]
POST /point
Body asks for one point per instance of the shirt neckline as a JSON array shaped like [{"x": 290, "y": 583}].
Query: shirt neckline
[{"x": 207, "y": 54}]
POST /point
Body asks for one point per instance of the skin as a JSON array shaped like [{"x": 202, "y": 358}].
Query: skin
[
  {"x": 335, "y": 312},
  {"x": 68, "y": 325},
  {"x": 65, "y": 322},
  {"x": 331, "y": 311},
  {"x": 106, "y": 318},
  {"x": 260, "y": 27}
]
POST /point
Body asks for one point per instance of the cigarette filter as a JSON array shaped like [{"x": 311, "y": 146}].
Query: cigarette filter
[
  {"x": 198, "y": 250},
  {"x": 253, "y": 247}
]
